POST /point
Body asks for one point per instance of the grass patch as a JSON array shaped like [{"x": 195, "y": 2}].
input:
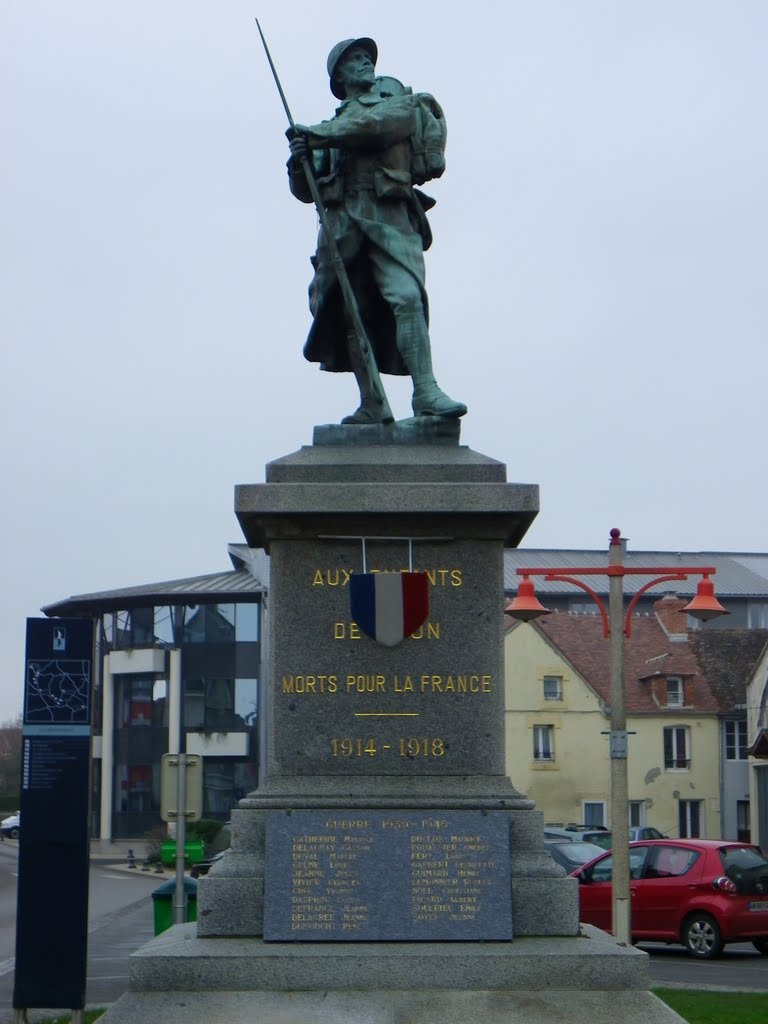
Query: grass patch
[
  {"x": 716, "y": 1007},
  {"x": 89, "y": 1015}
]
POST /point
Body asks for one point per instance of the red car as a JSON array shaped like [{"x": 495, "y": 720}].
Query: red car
[{"x": 703, "y": 893}]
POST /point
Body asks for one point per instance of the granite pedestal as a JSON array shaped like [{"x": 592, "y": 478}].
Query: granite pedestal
[{"x": 353, "y": 726}]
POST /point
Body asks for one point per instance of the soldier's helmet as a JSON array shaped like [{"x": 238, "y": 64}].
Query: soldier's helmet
[{"x": 338, "y": 52}]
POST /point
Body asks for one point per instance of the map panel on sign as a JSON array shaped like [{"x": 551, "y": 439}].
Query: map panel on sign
[{"x": 57, "y": 691}]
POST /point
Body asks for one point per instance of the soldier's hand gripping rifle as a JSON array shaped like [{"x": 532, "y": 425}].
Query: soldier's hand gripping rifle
[{"x": 363, "y": 362}]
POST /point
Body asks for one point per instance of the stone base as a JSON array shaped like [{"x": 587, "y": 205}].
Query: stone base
[
  {"x": 396, "y": 1007},
  {"x": 181, "y": 979}
]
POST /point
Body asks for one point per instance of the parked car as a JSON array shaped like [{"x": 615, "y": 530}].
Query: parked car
[
  {"x": 638, "y": 832},
  {"x": 596, "y": 834},
  {"x": 204, "y": 866},
  {"x": 10, "y": 827},
  {"x": 569, "y": 855},
  {"x": 702, "y": 893}
]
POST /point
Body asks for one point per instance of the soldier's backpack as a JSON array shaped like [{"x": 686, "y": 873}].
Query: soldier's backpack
[{"x": 429, "y": 138}]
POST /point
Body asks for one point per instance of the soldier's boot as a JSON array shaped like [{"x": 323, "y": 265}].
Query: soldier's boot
[
  {"x": 373, "y": 408},
  {"x": 413, "y": 345}
]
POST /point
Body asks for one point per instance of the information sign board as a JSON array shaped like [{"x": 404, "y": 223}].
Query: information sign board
[{"x": 52, "y": 902}]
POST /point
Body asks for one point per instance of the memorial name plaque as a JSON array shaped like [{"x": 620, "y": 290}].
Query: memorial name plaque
[{"x": 360, "y": 876}]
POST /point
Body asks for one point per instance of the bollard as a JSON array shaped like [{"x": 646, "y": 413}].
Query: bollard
[
  {"x": 145, "y": 864},
  {"x": 159, "y": 869},
  {"x": 131, "y": 859}
]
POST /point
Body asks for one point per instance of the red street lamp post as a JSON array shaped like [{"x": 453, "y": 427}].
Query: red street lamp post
[{"x": 616, "y": 626}]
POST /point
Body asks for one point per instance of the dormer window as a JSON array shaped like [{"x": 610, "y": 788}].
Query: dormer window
[{"x": 675, "y": 692}]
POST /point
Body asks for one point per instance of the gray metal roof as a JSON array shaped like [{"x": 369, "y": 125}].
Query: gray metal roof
[
  {"x": 737, "y": 575},
  {"x": 216, "y": 588},
  {"x": 255, "y": 560}
]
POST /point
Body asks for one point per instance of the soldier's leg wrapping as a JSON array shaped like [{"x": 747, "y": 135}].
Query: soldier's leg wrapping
[
  {"x": 413, "y": 344},
  {"x": 404, "y": 294}
]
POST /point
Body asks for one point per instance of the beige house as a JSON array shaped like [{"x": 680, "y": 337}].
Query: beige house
[
  {"x": 557, "y": 719},
  {"x": 757, "y": 730}
]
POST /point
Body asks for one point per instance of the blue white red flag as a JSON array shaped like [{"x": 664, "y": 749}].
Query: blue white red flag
[{"x": 389, "y": 606}]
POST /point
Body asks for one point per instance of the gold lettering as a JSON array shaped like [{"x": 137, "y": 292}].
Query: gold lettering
[
  {"x": 346, "y": 631},
  {"x": 470, "y": 682},
  {"x": 310, "y": 684},
  {"x": 366, "y": 684},
  {"x": 331, "y": 577},
  {"x": 340, "y": 577}
]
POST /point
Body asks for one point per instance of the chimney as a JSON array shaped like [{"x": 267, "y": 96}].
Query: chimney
[{"x": 669, "y": 612}]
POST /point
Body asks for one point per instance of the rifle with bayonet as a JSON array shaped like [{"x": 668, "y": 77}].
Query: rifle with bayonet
[{"x": 362, "y": 358}]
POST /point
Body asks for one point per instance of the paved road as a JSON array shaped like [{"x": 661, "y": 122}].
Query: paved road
[
  {"x": 740, "y": 967},
  {"x": 120, "y": 920}
]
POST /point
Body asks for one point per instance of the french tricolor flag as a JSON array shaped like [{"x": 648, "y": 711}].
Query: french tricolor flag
[{"x": 389, "y": 606}]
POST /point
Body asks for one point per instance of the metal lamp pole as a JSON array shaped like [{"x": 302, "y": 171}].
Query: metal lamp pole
[
  {"x": 179, "y": 893},
  {"x": 616, "y": 626},
  {"x": 621, "y": 916}
]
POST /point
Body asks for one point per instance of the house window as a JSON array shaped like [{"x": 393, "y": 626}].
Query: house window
[
  {"x": 135, "y": 789},
  {"x": 636, "y": 813},
  {"x": 543, "y": 743},
  {"x": 757, "y": 614},
  {"x": 675, "y": 692},
  {"x": 209, "y": 623},
  {"x": 689, "y": 812},
  {"x": 136, "y": 701},
  {"x": 594, "y": 812},
  {"x": 224, "y": 783},
  {"x": 676, "y": 747},
  {"x": 210, "y": 704},
  {"x": 247, "y": 622},
  {"x": 553, "y": 687},
  {"x": 743, "y": 831},
  {"x": 246, "y": 702},
  {"x": 736, "y": 741}
]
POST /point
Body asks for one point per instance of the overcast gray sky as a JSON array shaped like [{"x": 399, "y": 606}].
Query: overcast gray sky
[{"x": 597, "y": 281}]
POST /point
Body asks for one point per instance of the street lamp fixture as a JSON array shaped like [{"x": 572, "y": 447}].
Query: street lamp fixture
[{"x": 616, "y": 626}]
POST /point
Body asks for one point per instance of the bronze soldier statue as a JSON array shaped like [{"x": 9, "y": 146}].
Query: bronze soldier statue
[{"x": 382, "y": 140}]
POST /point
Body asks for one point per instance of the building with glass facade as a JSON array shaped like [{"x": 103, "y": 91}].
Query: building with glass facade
[{"x": 177, "y": 667}]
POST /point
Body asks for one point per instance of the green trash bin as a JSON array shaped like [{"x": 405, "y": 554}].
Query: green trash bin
[
  {"x": 194, "y": 851},
  {"x": 162, "y": 899}
]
